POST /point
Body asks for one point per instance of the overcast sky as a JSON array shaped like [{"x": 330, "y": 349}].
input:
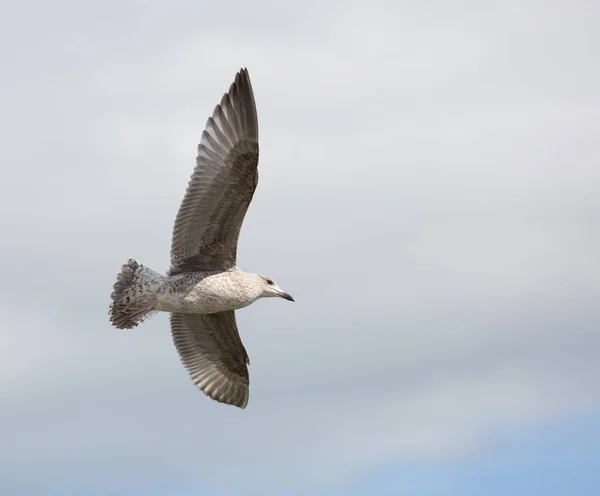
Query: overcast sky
[{"x": 429, "y": 193}]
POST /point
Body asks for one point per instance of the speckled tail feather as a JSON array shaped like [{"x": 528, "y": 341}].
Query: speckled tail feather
[{"x": 134, "y": 295}]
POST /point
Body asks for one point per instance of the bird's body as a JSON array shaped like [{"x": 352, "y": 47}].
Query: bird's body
[
  {"x": 207, "y": 292},
  {"x": 204, "y": 286}
]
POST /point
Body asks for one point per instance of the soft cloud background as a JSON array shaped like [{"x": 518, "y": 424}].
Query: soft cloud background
[{"x": 429, "y": 193}]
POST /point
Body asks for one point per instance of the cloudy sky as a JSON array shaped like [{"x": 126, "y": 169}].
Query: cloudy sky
[{"x": 429, "y": 193}]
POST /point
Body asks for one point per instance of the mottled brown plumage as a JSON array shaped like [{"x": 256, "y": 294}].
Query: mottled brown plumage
[
  {"x": 203, "y": 286},
  {"x": 208, "y": 223},
  {"x": 212, "y": 352}
]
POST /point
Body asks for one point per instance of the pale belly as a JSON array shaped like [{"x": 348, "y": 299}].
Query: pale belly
[
  {"x": 205, "y": 304},
  {"x": 201, "y": 298}
]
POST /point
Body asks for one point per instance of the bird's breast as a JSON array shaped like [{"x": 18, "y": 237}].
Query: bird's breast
[{"x": 207, "y": 295}]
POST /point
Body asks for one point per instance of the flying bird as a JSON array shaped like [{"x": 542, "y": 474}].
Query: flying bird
[{"x": 203, "y": 286}]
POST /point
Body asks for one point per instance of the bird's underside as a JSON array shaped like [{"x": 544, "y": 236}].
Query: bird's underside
[
  {"x": 205, "y": 237},
  {"x": 211, "y": 350}
]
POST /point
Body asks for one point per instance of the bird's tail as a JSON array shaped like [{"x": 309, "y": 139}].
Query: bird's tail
[{"x": 135, "y": 295}]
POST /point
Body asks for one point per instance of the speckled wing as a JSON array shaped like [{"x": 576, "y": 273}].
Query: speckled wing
[
  {"x": 211, "y": 350},
  {"x": 208, "y": 223}
]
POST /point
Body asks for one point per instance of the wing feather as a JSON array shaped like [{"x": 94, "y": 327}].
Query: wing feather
[
  {"x": 208, "y": 223},
  {"x": 211, "y": 350}
]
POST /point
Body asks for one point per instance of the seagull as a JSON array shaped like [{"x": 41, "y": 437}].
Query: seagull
[{"x": 203, "y": 286}]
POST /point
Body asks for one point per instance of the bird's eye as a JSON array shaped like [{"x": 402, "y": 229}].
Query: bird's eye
[{"x": 269, "y": 282}]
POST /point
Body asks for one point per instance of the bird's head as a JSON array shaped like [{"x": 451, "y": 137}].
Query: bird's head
[{"x": 270, "y": 289}]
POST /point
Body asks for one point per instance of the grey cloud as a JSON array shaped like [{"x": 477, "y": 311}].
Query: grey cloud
[{"x": 428, "y": 193}]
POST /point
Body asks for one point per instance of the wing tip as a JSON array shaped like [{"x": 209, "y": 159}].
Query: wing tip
[
  {"x": 244, "y": 72},
  {"x": 234, "y": 393},
  {"x": 242, "y": 78},
  {"x": 233, "y": 398}
]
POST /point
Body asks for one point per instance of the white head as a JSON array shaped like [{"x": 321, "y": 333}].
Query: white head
[{"x": 270, "y": 288}]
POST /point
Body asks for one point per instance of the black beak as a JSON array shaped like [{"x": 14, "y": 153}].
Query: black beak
[{"x": 287, "y": 296}]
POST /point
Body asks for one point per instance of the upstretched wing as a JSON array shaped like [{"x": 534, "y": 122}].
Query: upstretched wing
[
  {"x": 211, "y": 350},
  {"x": 208, "y": 223}
]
